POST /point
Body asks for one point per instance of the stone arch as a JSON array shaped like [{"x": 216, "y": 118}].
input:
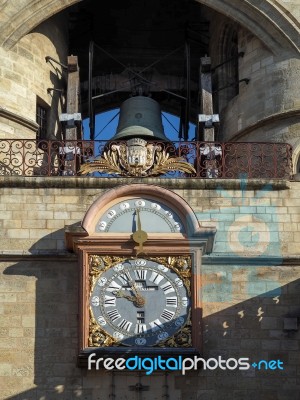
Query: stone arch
[
  {"x": 270, "y": 21},
  {"x": 23, "y": 16},
  {"x": 159, "y": 193},
  {"x": 296, "y": 158}
]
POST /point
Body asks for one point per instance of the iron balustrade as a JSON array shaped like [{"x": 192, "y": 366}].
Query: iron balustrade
[{"x": 211, "y": 160}]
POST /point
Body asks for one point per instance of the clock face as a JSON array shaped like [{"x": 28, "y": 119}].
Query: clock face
[
  {"x": 140, "y": 302},
  {"x": 155, "y": 217}
]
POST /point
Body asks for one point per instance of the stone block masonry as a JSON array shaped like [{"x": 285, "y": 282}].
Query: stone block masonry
[{"x": 249, "y": 285}]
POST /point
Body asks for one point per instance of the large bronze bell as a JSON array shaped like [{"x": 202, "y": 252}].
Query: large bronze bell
[
  {"x": 134, "y": 150},
  {"x": 140, "y": 117}
]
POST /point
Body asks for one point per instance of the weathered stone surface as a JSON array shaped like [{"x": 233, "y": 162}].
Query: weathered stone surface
[{"x": 245, "y": 296}]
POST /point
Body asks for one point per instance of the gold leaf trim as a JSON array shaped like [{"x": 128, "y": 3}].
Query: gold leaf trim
[
  {"x": 113, "y": 162},
  {"x": 98, "y": 337},
  {"x": 182, "y": 338},
  {"x": 99, "y": 264},
  {"x": 182, "y": 265},
  {"x": 107, "y": 163},
  {"x": 164, "y": 163}
]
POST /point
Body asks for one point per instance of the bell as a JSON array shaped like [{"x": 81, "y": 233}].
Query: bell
[{"x": 140, "y": 117}]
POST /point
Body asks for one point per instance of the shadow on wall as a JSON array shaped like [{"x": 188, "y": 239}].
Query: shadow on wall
[{"x": 44, "y": 358}]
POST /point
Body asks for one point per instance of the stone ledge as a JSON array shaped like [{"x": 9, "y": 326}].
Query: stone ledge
[
  {"x": 15, "y": 255},
  {"x": 215, "y": 259},
  {"x": 282, "y": 115},
  {"x": 27, "y": 123},
  {"x": 81, "y": 182},
  {"x": 222, "y": 258}
]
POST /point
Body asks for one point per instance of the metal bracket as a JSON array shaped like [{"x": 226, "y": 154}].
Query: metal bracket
[
  {"x": 48, "y": 59},
  {"x": 246, "y": 80},
  {"x": 70, "y": 117},
  {"x": 49, "y": 90},
  {"x": 240, "y": 54},
  {"x": 209, "y": 120}
]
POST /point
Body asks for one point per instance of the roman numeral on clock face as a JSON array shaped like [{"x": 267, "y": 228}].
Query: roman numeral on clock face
[
  {"x": 109, "y": 301},
  {"x": 125, "y": 278},
  {"x": 113, "y": 287},
  {"x": 155, "y": 325},
  {"x": 140, "y": 328},
  {"x": 171, "y": 301},
  {"x": 167, "y": 287},
  {"x": 167, "y": 315},
  {"x": 140, "y": 274},
  {"x": 156, "y": 278},
  {"x": 124, "y": 324},
  {"x": 113, "y": 314}
]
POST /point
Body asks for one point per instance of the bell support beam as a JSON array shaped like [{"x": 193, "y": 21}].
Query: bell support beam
[
  {"x": 188, "y": 91},
  {"x": 90, "y": 91},
  {"x": 71, "y": 120},
  {"x": 207, "y": 119}
]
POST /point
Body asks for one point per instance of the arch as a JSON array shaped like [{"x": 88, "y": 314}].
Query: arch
[
  {"x": 23, "y": 16},
  {"x": 196, "y": 236},
  {"x": 269, "y": 21},
  {"x": 296, "y": 158},
  {"x": 173, "y": 200}
]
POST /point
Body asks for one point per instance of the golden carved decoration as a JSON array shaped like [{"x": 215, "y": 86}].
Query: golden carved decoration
[
  {"x": 182, "y": 265},
  {"x": 182, "y": 338},
  {"x": 137, "y": 158},
  {"x": 97, "y": 336},
  {"x": 164, "y": 163},
  {"x": 98, "y": 265}
]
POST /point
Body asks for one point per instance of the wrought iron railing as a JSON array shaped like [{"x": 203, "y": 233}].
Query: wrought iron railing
[{"x": 208, "y": 159}]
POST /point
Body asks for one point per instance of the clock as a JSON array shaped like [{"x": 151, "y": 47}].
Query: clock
[
  {"x": 139, "y": 251},
  {"x": 155, "y": 215},
  {"x": 140, "y": 302}
]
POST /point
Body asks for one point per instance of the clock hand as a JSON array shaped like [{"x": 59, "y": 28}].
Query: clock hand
[
  {"x": 124, "y": 295},
  {"x": 138, "y": 220},
  {"x": 138, "y": 300},
  {"x": 134, "y": 288},
  {"x": 139, "y": 236}
]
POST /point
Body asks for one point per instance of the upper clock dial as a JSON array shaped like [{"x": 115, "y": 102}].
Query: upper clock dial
[{"x": 154, "y": 217}]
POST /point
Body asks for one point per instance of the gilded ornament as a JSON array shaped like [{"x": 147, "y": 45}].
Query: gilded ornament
[
  {"x": 182, "y": 338},
  {"x": 97, "y": 336},
  {"x": 137, "y": 158}
]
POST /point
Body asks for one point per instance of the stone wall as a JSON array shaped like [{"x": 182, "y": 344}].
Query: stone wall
[
  {"x": 250, "y": 284},
  {"x": 34, "y": 217},
  {"x": 25, "y": 78},
  {"x": 266, "y": 108}
]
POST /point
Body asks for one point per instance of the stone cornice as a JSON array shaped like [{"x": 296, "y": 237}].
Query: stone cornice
[
  {"x": 266, "y": 121},
  {"x": 80, "y": 182},
  {"x": 27, "y": 123},
  {"x": 224, "y": 259},
  {"x": 220, "y": 259}
]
